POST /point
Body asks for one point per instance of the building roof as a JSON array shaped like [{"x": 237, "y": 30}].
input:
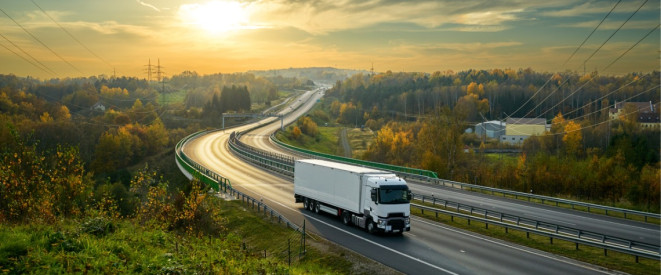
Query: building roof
[
  {"x": 643, "y": 107},
  {"x": 526, "y": 121},
  {"x": 649, "y": 118},
  {"x": 492, "y": 122}
]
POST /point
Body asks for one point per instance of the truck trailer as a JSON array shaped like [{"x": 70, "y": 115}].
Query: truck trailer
[{"x": 375, "y": 200}]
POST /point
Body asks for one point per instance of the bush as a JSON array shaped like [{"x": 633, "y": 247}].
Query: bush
[{"x": 98, "y": 227}]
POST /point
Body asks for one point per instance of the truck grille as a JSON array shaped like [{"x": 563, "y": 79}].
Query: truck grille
[{"x": 396, "y": 224}]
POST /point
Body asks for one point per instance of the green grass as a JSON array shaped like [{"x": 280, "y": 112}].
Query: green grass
[
  {"x": 327, "y": 141},
  {"x": 169, "y": 98},
  {"x": 505, "y": 158},
  {"x": 125, "y": 246},
  {"x": 359, "y": 140},
  {"x": 592, "y": 255}
]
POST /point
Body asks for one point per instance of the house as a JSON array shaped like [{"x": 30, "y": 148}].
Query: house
[
  {"x": 490, "y": 129},
  {"x": 98, "y": 106},
  {"x": 519, "y": 129},
  {"x": 648, "y": 113}
]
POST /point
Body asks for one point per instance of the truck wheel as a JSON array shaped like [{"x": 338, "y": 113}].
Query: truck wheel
[
  {"x": 346, "y": 217},
  {"x": 311, "y": 205},
  {"x": 371, "y": 227},
  {"x": 306, "y": 203},
  {"x": 317, "y": 207}
]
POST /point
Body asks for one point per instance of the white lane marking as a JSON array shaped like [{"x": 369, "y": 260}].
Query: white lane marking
[
  {"x": 381, "y": 246},
  {"x": 364, "y": 239},
  {"x": 554, "y": 212},
  {"x": 510, "y": 246}
]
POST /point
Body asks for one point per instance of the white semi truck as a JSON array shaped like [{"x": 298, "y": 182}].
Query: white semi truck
[{"x": 375, "y": 200}]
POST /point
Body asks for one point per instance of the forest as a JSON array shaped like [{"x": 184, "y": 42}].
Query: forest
[
  {"x": 71, "y": 146},
  {"x": 91, "y": 154},
  {"x": 422, "y": 120}
]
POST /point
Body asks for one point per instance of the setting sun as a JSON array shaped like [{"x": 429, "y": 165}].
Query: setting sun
[{"x": 215, "y": 17}]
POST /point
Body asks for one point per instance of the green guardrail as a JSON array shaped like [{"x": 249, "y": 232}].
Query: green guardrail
[
  {"x": 213, "y": 179},
  {"x": 377, "y": 165}
]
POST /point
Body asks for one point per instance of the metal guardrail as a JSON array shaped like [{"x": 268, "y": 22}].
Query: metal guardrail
[
  {"x": 547, "y": 233},
  {"x": 627, "y": 213},
  {"x": 578, "y": 236},
  {"x": 383, "y": 166},
  {"x": 543, "y": 199},
  {"x": 266, "y": 209},
  {"x": 219, "y": 183},
  {"x": 214, "y": 180},
  {"x": 558, "y": 229},
  {"x": 268, "y": 160}
]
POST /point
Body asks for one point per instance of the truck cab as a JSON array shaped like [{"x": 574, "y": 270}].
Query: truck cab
[{"x": 386, "y": 205}]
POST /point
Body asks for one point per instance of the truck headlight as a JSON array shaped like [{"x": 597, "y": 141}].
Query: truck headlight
[
  {"x": 382, "y": 223},
  {"x": 407, "y": 220}
]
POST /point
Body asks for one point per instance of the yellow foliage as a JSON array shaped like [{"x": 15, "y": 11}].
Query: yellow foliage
[
  {"x": 573, "y": 138},
  {"x": 558, "y": 123},
  {"x": 296, "y": 132},
  {"x": 45, "y": 117}
]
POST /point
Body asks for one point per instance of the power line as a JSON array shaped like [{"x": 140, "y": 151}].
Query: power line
[
  {"x": 589, "y": 35},
  {"x": 593, "y": 125},
  {"x": 621, "y": 101},
  {"x": 71, "y": 35},
  {"x": 612, "y": 92},
  {"x": 634, "y": 13},
  {"x": 542, "y": 102},
  {"x": 27, "y": 60},
  {"x": 563, "y": 100},
  {"x": 26, "y": 53},
  {"x": 529, "y": 99},
  {"x": 634, "y": 45},
  {"x": 597, "y": 50},
  {"x": 42, "y": 43}
]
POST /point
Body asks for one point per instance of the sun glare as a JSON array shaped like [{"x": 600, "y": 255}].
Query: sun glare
[{"x": 215, "y": 17}]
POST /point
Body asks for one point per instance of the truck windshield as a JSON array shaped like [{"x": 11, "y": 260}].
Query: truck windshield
[{"x": 394, "y": 194}]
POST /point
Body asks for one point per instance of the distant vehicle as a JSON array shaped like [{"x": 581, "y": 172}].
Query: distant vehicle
[{"x": 375, "y": 200}]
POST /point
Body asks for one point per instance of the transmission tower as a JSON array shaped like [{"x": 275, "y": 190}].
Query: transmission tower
[
  {"x": 149, "y": 70},
  {"x": 159, "y": 73}
]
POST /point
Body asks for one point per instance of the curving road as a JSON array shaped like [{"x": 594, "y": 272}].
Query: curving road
[
  {"x": 607, "y": 225},
  {"x": 429, "y": 248}
]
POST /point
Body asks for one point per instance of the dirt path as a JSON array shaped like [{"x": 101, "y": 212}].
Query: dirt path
[{"x": 344, "y": 143}]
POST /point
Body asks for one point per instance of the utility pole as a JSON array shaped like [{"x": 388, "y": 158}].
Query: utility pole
[
  {"x": 158, "y": 70},
  {"x": 149, "y": 70}
]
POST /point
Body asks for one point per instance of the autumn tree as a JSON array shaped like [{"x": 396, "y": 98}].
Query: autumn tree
[
  {"x": 308, "y": 126},
  {"x": 573, "y": 139},
  {"x": 296, "y": 132},
  {"x": 40, "y": 186}
]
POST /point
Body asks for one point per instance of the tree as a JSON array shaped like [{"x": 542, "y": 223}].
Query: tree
[
  {"x": 308, "y": 126},
  {"x": 573, "y": 139},
  {"x": 649, "y": 182},
  {"x": 296, "y": 132},
  {"x": 558, "y": 123}
]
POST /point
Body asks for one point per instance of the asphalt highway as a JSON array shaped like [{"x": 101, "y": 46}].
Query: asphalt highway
[{"x": 429, "y": 248}]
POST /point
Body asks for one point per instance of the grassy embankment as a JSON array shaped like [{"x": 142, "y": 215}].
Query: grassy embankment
[{"x": 102, "y": 245}]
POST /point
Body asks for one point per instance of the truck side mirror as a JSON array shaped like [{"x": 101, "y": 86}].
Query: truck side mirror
[
  {"x": 373, "y": 195},
  {"x": 408, "y": 195}
]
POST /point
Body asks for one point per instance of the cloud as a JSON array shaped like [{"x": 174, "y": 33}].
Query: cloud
[
  {"x": 323, "y": 16},
  {"x": 460, "y": 47},
  {"x": 613, "y": 25},
  {"x": 597, "y": 7},
  {"x": 148, "y": 5}
]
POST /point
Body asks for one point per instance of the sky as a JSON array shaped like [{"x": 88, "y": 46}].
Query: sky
[{"x": 73, "y": 38}]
